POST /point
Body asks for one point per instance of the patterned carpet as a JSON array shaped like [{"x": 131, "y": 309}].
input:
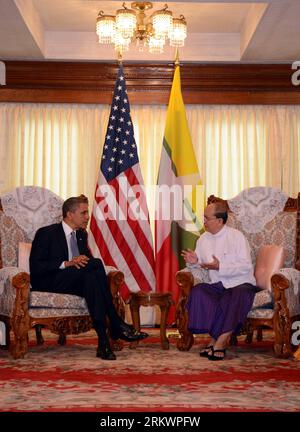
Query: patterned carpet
[{"x": 71, "y": 378}]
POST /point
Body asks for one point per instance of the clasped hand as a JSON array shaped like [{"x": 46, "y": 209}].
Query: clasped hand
[
  {"x": 214, "y": 265},
  {"x": 79, "y": 261},
  {"x": 190, "y": 257}
]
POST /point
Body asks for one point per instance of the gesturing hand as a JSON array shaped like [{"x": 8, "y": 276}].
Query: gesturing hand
[
  {"x": 214, "y": 265},
  {"x": 189, "y": 256}
]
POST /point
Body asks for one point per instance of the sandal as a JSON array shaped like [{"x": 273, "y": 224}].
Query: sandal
[
  {"x": 205, "y": 351},
  {"x": 214, "y": 357}
]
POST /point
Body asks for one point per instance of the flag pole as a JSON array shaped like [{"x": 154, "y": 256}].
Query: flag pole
[{"x": 177, "y": 62}]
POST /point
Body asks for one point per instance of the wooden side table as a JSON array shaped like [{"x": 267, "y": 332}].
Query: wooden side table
[{"x": 163, "y": 300}]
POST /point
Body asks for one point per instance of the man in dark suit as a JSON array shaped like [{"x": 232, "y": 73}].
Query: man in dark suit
[{"x": 61, "y": 262}]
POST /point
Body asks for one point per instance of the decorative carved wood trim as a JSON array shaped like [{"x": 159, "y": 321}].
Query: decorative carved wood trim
[
  {"x": 70, "y": 325},
  {"x": 290, "y": 205},
  {"x": 185, "y": 280},
  {"x": 115, "y": 280},
  {"x": 281, "y": 319},
  {"x": 20, "y": 321},
  {"x": 213, "y": 199},
  {"x": 36, "y": 81}
]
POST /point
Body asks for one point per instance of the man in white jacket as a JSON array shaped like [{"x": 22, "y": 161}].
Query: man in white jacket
[{"x": 221, "y": 306}]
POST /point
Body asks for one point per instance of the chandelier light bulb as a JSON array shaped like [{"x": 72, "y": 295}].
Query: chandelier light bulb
[
  {"x": 121, "y": 43},
  {"x": 126, "y": 22},
  {"x": 156, "y": 45},
  {"x": 178, "y": 33},
  {"x": 162, "y": 22},
  {"x": 106, "y": 28}
]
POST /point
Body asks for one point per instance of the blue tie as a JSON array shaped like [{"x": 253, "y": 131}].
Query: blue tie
[{"x": 73, "y": 245}]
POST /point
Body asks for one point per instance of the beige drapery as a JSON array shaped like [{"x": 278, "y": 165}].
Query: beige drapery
[{"x": 59, "y": 146}]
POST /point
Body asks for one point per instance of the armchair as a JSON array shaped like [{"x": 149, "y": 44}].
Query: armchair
[
  {"x": 22, "y": 212},
  {"x": 266, "y": 216}
]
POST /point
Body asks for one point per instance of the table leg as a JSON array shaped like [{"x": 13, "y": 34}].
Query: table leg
[
  {"x": 135, "y": 314},
  {"x": 297, "y": 354},
  {"x": 163, "y": 324}
]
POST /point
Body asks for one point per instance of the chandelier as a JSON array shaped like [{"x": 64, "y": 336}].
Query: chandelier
[{"x": 132, "y": 24}]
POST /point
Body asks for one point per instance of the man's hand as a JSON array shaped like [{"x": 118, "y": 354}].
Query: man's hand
[
  {"x": 214, "y": 265},
  {"x": 78, "y": 262},
  {"x": 189, "y": 256}
]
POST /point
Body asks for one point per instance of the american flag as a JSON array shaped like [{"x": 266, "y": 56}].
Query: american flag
[{"x": 120, "y": 230}]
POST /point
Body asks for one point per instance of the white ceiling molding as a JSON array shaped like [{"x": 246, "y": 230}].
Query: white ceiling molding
[{"x": 262, "y": 31}]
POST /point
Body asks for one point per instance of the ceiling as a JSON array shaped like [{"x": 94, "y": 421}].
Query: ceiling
[{"x": 258, "y": 31}]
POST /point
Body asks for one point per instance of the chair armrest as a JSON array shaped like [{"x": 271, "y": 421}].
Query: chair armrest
[
  {"x": 286, "y": 288},
  {"x": 192, "y": 275},
  {"x": 185, "y": 280},
  {"x": 115, "y": 280}
]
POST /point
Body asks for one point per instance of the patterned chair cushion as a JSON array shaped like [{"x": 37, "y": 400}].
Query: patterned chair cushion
[
  {"x": 263, "y": 300},
  {"x": 55, "y": 312},
  {"x": 53, "y": 300},
  {"x": 261, "y": 313}
]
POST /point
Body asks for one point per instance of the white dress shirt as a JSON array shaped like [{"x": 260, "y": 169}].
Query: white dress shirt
[
  {"x": 68, "y": 231},
  {"x": 231, "y": 248}
]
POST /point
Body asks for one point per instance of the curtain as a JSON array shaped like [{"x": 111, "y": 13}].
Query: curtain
[{"x": 59, "y": 146}]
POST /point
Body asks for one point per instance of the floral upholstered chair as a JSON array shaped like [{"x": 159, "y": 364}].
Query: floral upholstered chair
[
  {"x": 22, "y": 212},
  {"x": 271, "y": 223}
]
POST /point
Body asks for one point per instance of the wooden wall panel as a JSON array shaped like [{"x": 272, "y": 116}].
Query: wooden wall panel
[{"x": 30, "y": 81}]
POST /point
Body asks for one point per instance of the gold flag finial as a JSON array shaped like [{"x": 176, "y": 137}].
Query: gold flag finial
[{"x": 120, "y": 58}]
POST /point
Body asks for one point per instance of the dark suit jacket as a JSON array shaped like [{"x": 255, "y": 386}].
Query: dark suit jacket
[{"x": 49, "y": 250}]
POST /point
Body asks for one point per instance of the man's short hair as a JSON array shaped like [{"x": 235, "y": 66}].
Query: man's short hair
[
  {"x": 221, "y": 211},
  {"x": 72, "y": 203}
]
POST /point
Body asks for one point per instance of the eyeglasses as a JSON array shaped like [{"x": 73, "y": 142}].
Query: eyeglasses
[{"x": 207, "y": 219}]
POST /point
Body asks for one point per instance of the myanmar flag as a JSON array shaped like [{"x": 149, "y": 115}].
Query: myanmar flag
[{"x": 180, "y": 196}]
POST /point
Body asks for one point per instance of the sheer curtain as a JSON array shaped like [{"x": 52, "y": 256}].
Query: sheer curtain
[{"x": 59, "y": 146}]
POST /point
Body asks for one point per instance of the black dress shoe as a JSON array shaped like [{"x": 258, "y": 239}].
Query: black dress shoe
[
  {"x": 141, "y": 335},
  {"x": 128, "y": 333},
  {"x": 106, "y": 353}
]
